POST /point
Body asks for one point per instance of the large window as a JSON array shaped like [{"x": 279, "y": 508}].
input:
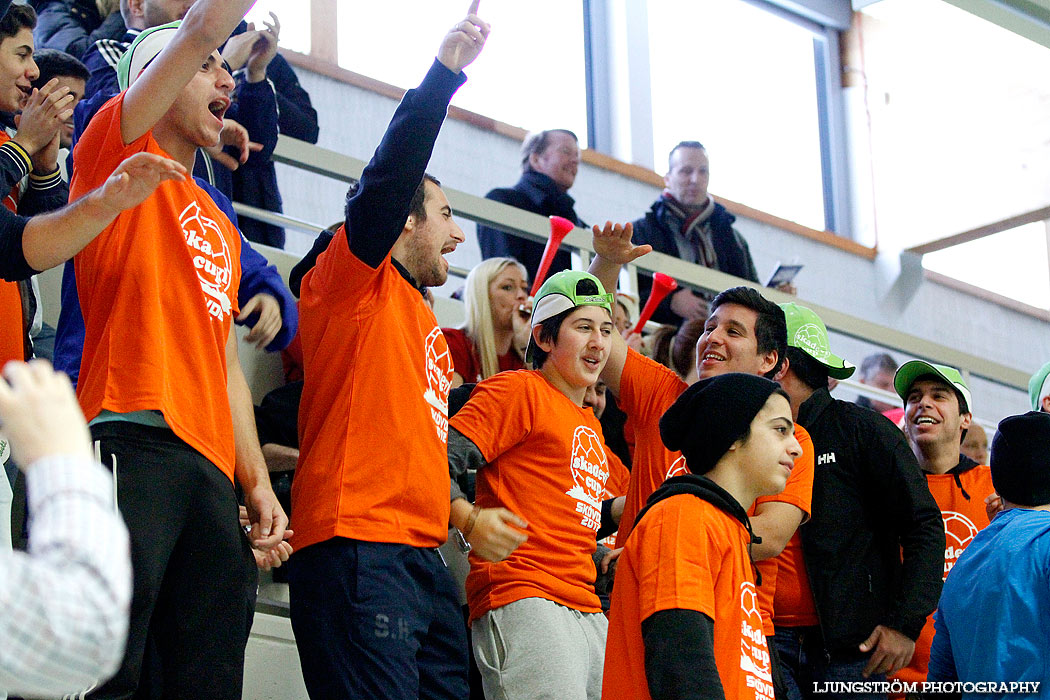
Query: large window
[
  {"x": 531, "y": 77},
  {"x": 294, "y": 18},
  {"x": 958, "y": 116},
  {"x": 1014, "y": 263},
  {"x": 742, "y": 81}
]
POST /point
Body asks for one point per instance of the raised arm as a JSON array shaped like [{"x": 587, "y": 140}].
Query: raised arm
[
  {"x": 51, "y": 239},
  {"x": 613, "y": 248},
  {"x": 207, "y": 25},
  {"x": 376, "y": 215}
]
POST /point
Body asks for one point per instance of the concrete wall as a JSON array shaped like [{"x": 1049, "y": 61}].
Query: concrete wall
[{"x": 475, "y": 160}]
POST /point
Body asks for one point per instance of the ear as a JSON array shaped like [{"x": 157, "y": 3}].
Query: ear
[
  {"x": 965, "y": 420},
  {"x": 410, "y": 224},
  {"x": 784, "y": 367},
  {"x": 769, "y": 361},
  {"x": 534, "y": 160},
  {"x": 667, "y": 179},
  {"x": 1046, "y": 404},
  {"x": 544, "y": 345}
]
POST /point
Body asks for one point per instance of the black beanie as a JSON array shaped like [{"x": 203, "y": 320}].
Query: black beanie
[
  {"x": 1021, "y": 459},
  {"x": 711, "y": 415}
]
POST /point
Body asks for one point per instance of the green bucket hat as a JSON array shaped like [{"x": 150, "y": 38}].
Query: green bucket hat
[
  {"x": 560, "y": 293},
  {"x": 808, "y": 333},
  {"x": 913, "y": 369},
  {"x": 143, "y": 50},
  {"x": 1039, "y": 386}
]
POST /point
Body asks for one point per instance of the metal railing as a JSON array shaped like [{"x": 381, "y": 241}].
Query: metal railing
[{"x": 314, "y": 159}]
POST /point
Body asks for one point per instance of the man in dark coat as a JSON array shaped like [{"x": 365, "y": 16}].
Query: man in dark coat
[
  {"x": 549, "y": 161},
  {"x": 687, "y": 223}
]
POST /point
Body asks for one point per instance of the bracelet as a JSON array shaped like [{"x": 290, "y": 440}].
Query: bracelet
[{"x": 471, "y": 519}]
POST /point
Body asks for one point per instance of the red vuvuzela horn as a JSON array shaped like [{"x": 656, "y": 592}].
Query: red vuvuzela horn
[
  {"x": 560, "y": 227},
  {"x": 662, "y": 286}
]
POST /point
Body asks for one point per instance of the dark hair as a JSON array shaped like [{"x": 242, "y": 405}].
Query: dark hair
[
  {"x": 770, "y": 326},
  {"x": 660, "y": 344},
  {"x": 416, "y": 206},
  {"x": 17, "y": 18},
  {"x": 55, "y": 64},
  {"x": 683, "y": 346},
  {"x": 877, "y": 362},
  {"x": 537, "y": 142},
  {"x": 683, "y": 144},
  {"x": 550, "y": 328},
  {"x": 808, "y": 370}
]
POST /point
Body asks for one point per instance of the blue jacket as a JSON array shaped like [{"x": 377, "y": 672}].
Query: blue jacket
[
  {"x": 993, "y": 623},
  {"x": 73, "y": 26},
  {"x": 256, "y": 277}
]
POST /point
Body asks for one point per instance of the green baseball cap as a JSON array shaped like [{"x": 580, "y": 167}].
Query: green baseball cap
[
  {"x": 561, "y": 292},
  {"x": 913, "y": 369},
  {"x": 143, "y": 50},
  {"x": 808, "y": 333},
  {"x": 1039, "y": 386}
]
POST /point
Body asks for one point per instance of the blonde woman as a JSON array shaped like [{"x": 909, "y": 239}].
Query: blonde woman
[{"x": 494, "y": 336}]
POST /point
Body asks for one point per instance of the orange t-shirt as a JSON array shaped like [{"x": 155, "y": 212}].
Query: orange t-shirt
[
  {"x": 793, "y": 604},
  {"x": 546, "y": 463},
  {"x": 963, "y": 518},
  {"x": 647, "y": 390},
  {"x": 158, "y": 288},
  {"x": 12, "y": 330},
  {"x": 373, "y": 422},
  {"x": 799, "y": 493},
  {"x": 687, "y": 554}
]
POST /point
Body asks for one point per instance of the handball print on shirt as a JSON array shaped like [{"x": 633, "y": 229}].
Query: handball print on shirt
[
  {"x": 959, "y": 531},
  {"x": 439, "y": 381},
  {"x": 589, "y": 473},
  {"x": 754, "y": 651},
  {"x": 211, "y": 259}
]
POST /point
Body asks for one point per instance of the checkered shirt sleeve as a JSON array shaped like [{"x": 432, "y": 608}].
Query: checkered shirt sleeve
[{"x": 64, "y": 604}]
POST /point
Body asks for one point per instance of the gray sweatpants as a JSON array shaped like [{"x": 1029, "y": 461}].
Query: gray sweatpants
[{"x": 535, "y": 649}]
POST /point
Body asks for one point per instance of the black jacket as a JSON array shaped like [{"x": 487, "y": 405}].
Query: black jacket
[
  {"x": 539, "y": 194},
  {"x": 871, "y": 508},
  {"x": 255, "y": 182},
  {"x": 734, "y": 256}
]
